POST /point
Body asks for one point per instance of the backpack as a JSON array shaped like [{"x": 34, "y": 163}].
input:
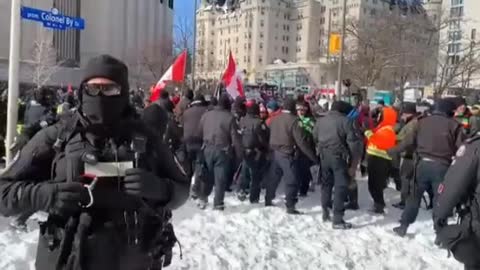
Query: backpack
[{"x": 249, "y": 136}]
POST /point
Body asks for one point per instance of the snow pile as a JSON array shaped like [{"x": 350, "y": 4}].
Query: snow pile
[{"x": 254, "y": 237}]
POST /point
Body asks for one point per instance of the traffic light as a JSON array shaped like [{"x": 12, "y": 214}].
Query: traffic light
[{"x": 335, "y": 44}]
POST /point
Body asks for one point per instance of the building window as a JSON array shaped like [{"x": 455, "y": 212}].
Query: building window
[
  {"x": 261, "y": 45},
  {"x": 261, "y": 34},
  {"x": 287, "y": 38},
  {"x": 260, "y": 60},
  {"x": 374, "y": 2},
  {"x": 170, "y": 4},
  {"x": 373, "y": 12},
  {"x": 474, "y": 34},
  {"x": 456, "y": 12},
  {"x": 262, "y": 11},
  {"x": 262, "y": 23}
]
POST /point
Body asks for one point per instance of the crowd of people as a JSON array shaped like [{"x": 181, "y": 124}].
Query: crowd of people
[{"x": 229, "y": 145}]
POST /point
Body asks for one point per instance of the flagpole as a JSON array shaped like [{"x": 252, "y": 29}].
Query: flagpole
[{"x": 194, "y": 59}]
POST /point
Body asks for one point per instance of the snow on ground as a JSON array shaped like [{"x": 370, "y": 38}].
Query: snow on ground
[{"x": 253, "y": 237}]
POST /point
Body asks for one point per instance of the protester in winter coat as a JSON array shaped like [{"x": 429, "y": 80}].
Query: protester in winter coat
[
  {"x": 380, "y": 139},
  {"x": 409, "y": 117},
  {"x": 183, "y": 105},
  {"x": 474, "y": 121},
  {"x": 273, "y": 111}
]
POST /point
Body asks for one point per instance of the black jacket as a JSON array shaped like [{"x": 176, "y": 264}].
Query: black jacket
[
  {"x": 460, "y": 190},
  {"x": 191, "y": 123},
  {"x": 219, "y": 128},
  {"x": 40, "y": 163},
  {"x": 335, "y": 133},
  {"x": 461, "y": 179},
  {"x": 254, "y": 131},
  {"x": 287, "y": 136},
  {"x": 437, "y": 137}
]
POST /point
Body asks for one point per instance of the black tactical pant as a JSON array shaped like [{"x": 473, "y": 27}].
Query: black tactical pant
[
  {"x": 217, "y": 164},
  {"x": 251, "y": 176},
  {"x": 335, "y": 175},
  {"x": 407, "y": 174},
  {"x": 283, "y": 167},
  {"x": 303, "y": 173},
  {"x": 194, "y": 165},
  {"x": 429, "y": 175},
  {"x": 378, "y": 173}
]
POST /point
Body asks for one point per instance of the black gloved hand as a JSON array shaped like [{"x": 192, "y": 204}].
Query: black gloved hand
[
  {"x": 141, "y": 183},
  {"x": 61, "y": 198}
]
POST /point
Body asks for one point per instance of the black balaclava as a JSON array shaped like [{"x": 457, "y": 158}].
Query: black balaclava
[{"x": 105, "y": 110}]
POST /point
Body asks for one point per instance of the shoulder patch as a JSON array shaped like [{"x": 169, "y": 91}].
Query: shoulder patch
[{"x": 461, "y": 151}]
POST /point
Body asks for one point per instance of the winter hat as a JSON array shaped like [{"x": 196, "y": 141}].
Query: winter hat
[
  {"x": 272, "y": 105},
  {"x": 446, "y": 106},
  {"x": 289, "y": 105},
  {"x": 342, "y": 107},
  {"x": 164, "y": 95},
  {"x": 254, "y": 109},
  {"x": 106, "y": 66},
  {"x": 409, "y": 107},
  {"x": 224, "y": 102},
  {"x": 458, "y": 101}
]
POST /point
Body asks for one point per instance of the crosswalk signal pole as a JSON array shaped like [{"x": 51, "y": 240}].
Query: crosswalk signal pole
[{"x": 13, "y": 83}]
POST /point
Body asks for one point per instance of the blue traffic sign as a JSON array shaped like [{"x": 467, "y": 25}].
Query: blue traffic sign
[{"x": 52, "y": 19}]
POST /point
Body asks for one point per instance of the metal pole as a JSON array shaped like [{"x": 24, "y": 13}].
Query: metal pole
[
  {"x": 340, "y": 60},
  {"x": 194, "y": 57},
  {"x": 13, "y": 70}
]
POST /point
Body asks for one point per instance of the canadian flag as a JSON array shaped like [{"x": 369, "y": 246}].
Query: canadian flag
[
  {"x": 175, "y": 73},
  {"x": 232, "y": 79}
]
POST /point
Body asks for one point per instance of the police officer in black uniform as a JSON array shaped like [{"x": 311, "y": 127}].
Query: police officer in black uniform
[
  {"x": 255, "y": 137},
  {"x": 220, "y": 136},
  {"x": 99, "y": 218},
  {"x": 435, "y": 141},
  {"x": 192, "y": 139},
  {"x": 286, "y": 137},
  {"x": 338, "y": 145},
  {"x": 460, "y": 191}
]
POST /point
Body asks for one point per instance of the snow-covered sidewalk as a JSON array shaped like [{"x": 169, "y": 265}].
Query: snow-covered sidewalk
[{"x": 252, "y": 237}]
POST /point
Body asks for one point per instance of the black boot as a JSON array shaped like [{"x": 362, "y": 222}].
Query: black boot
[
  {"x": 401, "y": 230},
  {"x": 399, "y": 205},
  {"x": 378, "y": 209},
  {"x": 269, "y": 204},
  {"x": 326, "y": 215},
  {"x": 220, "y": 207},
  {"x": 293, "y": 211},
  {"x": 342, "y": 225}
]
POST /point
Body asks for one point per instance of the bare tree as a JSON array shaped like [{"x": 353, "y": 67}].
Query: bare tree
[
  {"x": 183, "y": 35},
  {"x": 458, "y": 60},
  {"x": 149, "y": 63},
  {"x": 43, "y": 59},
  {"x": 388, "y": 51}
]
